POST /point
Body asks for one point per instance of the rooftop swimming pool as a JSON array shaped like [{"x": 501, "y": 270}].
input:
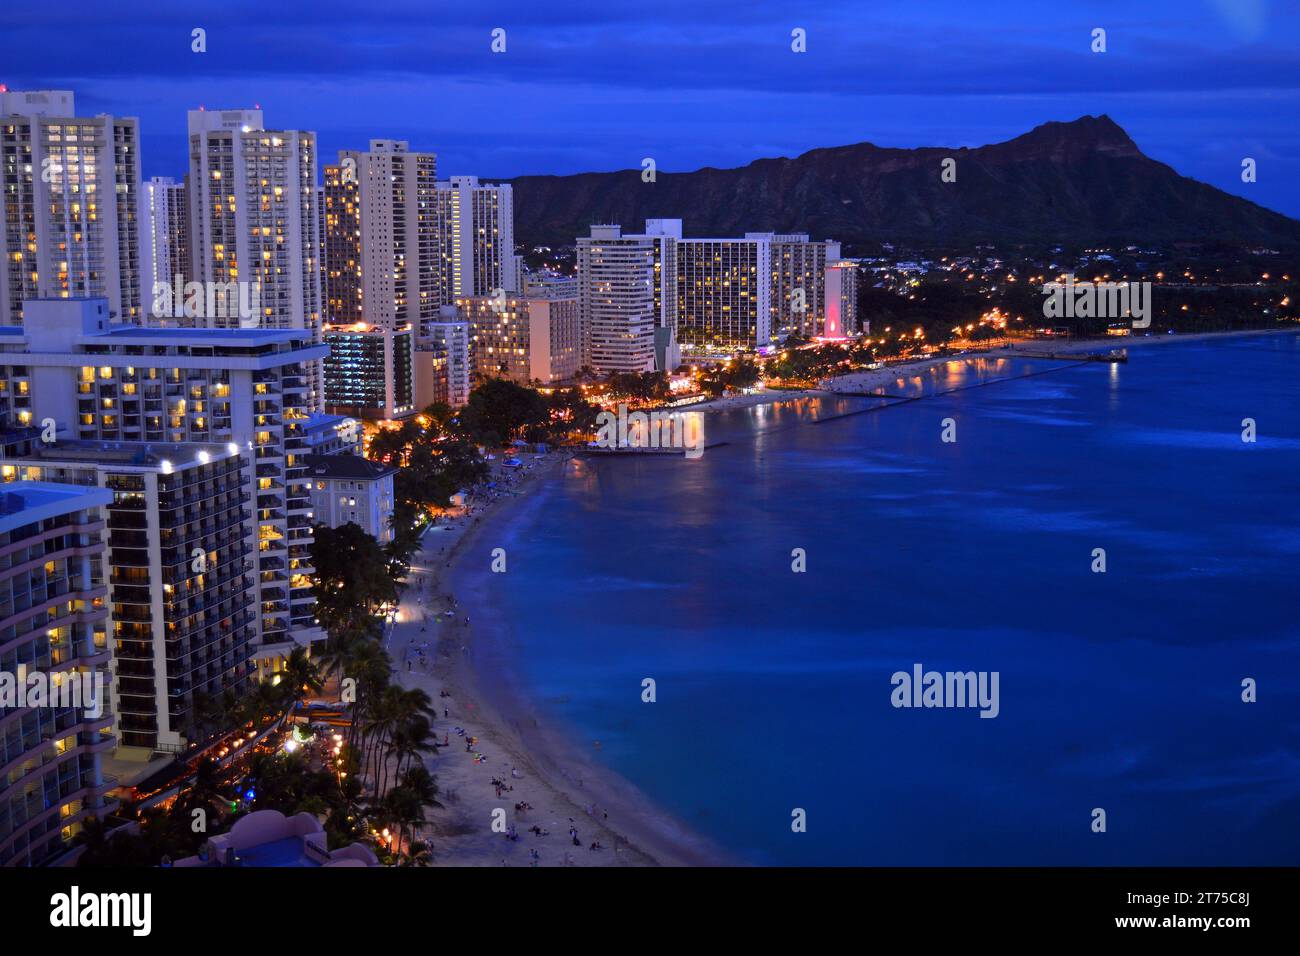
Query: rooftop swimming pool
[{"x": 286, "y": 852}]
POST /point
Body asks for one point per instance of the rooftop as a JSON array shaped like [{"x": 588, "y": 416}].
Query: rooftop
[
  {"x": 148, "y": 455},
  {"x": 347, "y": 467},
  {"x": 317, "y": 420},
  {"x": 26, "y": 502},
  {"x": 129, "y": 333}
]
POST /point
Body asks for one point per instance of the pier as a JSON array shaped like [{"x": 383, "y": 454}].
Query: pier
[
  {"x": 847, "y": 394},
  {"x": 1115, "y": 356},
  {"x": 630, "y": 450}
]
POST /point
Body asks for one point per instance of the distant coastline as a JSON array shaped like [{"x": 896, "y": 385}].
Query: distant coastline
[{"x": 870, "y": 379}]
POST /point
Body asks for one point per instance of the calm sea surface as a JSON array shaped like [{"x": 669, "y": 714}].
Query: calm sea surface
[{"x": 1119, "y": 691}]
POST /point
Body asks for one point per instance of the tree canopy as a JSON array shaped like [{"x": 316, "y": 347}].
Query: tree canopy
[{"x": 499, "y": 411}]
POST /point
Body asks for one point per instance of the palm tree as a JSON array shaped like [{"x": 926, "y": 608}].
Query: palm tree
[
  {"x": 340, "y": 646},
  {"x": 403, "y": 807},
  {"x": 211, "y": 713},
  {"x": 413, "y": 738},
  {"x": 406, "y": 712},
  {"x": 417, "y": 792},
  {"x": 371, "y": 669},
  {"x": 300, "y": 678},
  {"x": 381, "y": 719},
  {"x": 259, "y": 705},
  {"x": 204, "y": 791},
  {"x": 423, "y": 784},
  {"x": 344, "y": 824},
  {"x": 94, "y": 837},
  {"x": 419, "y": 853}
]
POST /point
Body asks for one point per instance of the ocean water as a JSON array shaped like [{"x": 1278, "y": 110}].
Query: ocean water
[{"x": 1118, "y": 690}]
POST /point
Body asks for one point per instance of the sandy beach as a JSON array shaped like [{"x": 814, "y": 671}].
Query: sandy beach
[
  {"x": 549, "y": 787},
  {"x": 445, "y": 641}
]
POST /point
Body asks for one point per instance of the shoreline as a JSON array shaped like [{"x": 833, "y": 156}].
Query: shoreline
[
  {"x": 868, "y": 379},
  {"x": 543, "y": 766}
]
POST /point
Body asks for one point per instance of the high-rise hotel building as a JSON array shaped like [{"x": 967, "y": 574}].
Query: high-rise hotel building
[
  {"x": 382, "y": 275},
  {"x": 53, "y": 622},
  {"x": 524, "y": 338},
  {"x": 444, "y": 360},
  {"x": 620, "y": 298},
  {"x": 249, "y": 387},
  {"x": 724, "y": 295},
  {"x": 69, "y": 205},
  {"x": 477, "y": 230},
  {"x": 799, "y": 298},
  {"x": 841, "y": 300},
  {"x": 179, "y": 569},
  {"x": 254, "y": 221},
  {"x": 165, "y": 241}
]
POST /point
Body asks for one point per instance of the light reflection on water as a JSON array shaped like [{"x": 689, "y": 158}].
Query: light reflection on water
[{"x": 1118, "y": 690}]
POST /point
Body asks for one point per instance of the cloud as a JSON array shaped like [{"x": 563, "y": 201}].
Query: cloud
[{"x": 594, "y": 85}]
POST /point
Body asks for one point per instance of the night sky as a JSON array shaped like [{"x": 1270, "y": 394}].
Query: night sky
[{"x": 1198, "y": 84}]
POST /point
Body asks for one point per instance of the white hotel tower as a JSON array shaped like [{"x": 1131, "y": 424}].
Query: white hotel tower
[
  {"x": 254, "y": 218},
  {"x": 113, "y": 382},
  {"x": 69, "y": 206},
  {"x": 627, "y": 290},
  {"x": 477, "y": 226},
  {"x": 164, "y": 236}
]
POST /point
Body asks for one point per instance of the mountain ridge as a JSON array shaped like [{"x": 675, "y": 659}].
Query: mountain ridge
[{"x": 1082, "y": 180}]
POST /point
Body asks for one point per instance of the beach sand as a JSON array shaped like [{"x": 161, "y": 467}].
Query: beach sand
[{"x": 470, "y": 662}]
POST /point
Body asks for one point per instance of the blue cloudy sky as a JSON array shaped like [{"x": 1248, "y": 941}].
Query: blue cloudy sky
[{"x": 585, "y": 85}]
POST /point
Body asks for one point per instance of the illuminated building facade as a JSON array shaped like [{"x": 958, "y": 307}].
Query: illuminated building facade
[
  {"x": 253, "y": 215},
  {"x": 53, "y": 621},
  {"x": 841, "y": 300},
  {"x": 724, "y": 295},
  {"x": 69, "y": 213},
  {"x": 165, "y": 245},
  {"x": 247, "y": 386},
  {"x": 800, "y": 301},
  {"x": 444, "y": 369},
  {"x": 382, "y": 275},
  {"x": 616, "y": 300},
  {"x": 523, "y": 339},
  {"x": 349, "y": 488},
  {"x": 179, "y": 569},
  {"x": 477, "y": 238}
]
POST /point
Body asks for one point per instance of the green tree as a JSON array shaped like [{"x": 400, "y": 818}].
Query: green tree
[
  {"x": 351, "y": 578},
  {"x": 499, "y": 410}
]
